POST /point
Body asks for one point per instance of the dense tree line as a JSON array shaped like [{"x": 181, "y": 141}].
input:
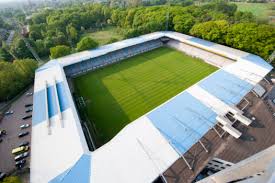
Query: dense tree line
[
  {"x": 51, "y": 28},
  {"x": 217, "y": 21},
  {"x": 136, "y": 21},
  {"x": 250, "y": 37},
  {"x": 15, "y": 76}
]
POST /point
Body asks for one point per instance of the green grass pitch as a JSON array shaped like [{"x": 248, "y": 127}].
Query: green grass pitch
[{"x": 120, "y": 93}]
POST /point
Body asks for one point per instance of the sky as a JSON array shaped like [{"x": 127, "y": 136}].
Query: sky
[
  {"x": 13, "y": 1},
  {"x": 10, "y": 1},
  {"x": 7, "y": 1}
]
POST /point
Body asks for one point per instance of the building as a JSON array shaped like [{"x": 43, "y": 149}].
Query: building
[{"x": 147, "y": 148}]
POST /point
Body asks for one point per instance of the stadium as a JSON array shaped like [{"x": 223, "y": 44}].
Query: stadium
[{"x": 127, "y": 111}]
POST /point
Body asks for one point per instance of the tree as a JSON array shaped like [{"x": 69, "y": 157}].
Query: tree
[
  {"x": 38, "y": 18},
  {"x": 221, "y": 6},
  {"x": 35, "y": 35},
  {"x": 253, "y": 38},
  {"x": 213, "y": 30},
  {"x": 183, "y": 23},
  {"x": 59, "y": 51},
  {"x": 40, "y": 48},
  {"x": 86, "y": 43},
  {"x": 72, "y": 33},
  {"x": 60, "y": 39},
  {"x": 4, "y": 55},
  {"x": 240, "y": 16},
  {"x": 20, "y": 50},
  {"x": 15, "y": 76},
  {"x": 12, "y": 179},
  {"x": 48, "y": 43}
]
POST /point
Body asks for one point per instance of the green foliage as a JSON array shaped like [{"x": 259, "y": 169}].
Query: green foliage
[
  {"x": 142, "y": 20},
  {"x": 15, "y": 76},
  {"x": 41, "y": 48},
  {"x": 211, "y": 21},
  {"x": 4, "y": 55},
  {"x": 12, "y": 179},
  {"x": 35, "y": 35},
  {"x": 221, "y": 6},
  {"x": 251, "y": 37},
  {"x": 20, "y": 50},
  {"x": 154, "y": 2},
  {"x": 86, "y": 43},
  {"x": 72, "y": 33},
  {"x": 112, "y": 40},
  {"x": 213, "y": 30},
  {"x": 183, "y": 23},
  {"x": 41, "y": 17},
  {"x": 59, "y": 51},
  {"x": 50, "y": 28},
  {"x": 2, "y": 23},
  {"x": 240, "y": 16}
]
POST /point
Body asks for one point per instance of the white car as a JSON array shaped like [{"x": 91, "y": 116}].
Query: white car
[
  {"x": 8, "y": 112},
  {"x": 29, "y": 94},
  {"x": 24, "y": 126}
]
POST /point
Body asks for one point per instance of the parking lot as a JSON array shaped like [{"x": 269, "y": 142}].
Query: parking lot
[{"x": 11, "y": 124}]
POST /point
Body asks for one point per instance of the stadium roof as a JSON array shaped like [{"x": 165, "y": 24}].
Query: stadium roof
[{"x": 147, "y": 146}]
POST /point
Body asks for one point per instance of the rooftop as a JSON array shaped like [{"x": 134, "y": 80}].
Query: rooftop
[{"x": 254, "y": 139}]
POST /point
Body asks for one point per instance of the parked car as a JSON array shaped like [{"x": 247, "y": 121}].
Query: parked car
[
  {"x": 20, "y": 150},
  {"x": 20, "y": 164},
  {"x": 8, "y": 112},
  {"x": 2, "y": 133},
  {"x": 25, "y": 126},
  {"x": 29, "y": 94},
  {"x": 27, "y": 117},
  {"x": 24, "y": 144},
  {"x": 28, "y": 105},
  {"x": 28, "y": 110},
  {"x": 22, "y": 134},
  {"x": 21, "y": 156},
  {"x": 2, "y": 176}
]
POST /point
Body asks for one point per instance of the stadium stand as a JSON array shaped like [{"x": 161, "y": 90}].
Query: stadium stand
[
  {"x": 148, "y": 146},
  {"x": 110, "y": 58},
  {"x": 208, "y": 57}
]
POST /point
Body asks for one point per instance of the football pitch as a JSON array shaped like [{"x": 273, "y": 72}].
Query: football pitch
[{"x": 120, "y": 93}]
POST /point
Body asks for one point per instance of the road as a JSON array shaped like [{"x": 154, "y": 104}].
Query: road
[{"x": 11, "y": 124}]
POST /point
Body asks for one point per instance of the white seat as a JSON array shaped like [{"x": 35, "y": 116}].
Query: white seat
[
  {"x": 223, "y": 120},
  {"x": 227, "y": 126},
  {"x": 232, "y": 131},
  {"x": 235, "y": 110},
  {"x": 243, "y": 119}
]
